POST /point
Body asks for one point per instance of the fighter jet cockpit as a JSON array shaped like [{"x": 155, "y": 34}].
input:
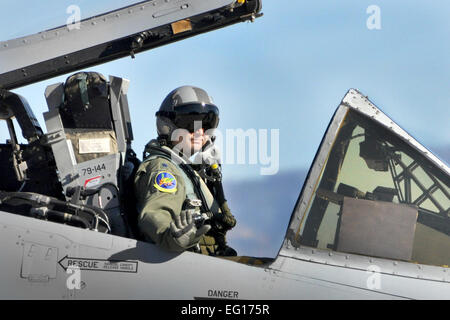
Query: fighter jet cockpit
[
  {"x": 372, "y": 196},
  {"x": 89, "y": 132},
  {"x": 80, "y": 171},
  {"x": 379, "y": 197}
]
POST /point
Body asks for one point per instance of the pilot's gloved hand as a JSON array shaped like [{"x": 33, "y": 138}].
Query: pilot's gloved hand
[
  {"x": 183, "y": 229},
  {"x": 228, "y": 220}
]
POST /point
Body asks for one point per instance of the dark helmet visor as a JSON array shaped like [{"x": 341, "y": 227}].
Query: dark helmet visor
[{"x": 186, "y": 115}]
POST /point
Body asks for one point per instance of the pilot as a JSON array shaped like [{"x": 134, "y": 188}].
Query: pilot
[{"x": 177, "y": 209}]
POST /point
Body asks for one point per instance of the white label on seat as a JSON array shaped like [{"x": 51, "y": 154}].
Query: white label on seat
[{"x": 101, "y": 145}]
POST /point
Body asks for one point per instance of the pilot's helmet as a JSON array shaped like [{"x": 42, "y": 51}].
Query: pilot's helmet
[{"x": 183, "y": 108}]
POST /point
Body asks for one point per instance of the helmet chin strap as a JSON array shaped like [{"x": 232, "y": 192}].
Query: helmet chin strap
[
  {"x": 207, "y": 164},
  {"x": 209, "y": 153},
  {"x": 207, "y": 161}
]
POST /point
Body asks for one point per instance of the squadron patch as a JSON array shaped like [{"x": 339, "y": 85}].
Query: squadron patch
[{"x": 165, "y": 182}]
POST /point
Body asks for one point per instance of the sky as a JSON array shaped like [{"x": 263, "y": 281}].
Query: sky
[{"x": 286, "y": 72}]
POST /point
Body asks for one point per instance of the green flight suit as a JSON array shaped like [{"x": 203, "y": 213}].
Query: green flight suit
[{"x": 157, "y": 205}]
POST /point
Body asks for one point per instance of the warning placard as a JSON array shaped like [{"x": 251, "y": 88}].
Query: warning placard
[{"x": 99, "y": 264}]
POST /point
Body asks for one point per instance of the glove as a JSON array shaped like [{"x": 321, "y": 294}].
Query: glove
[
  {"x": 183, "y": 229},
  {"x": 228, "y": 220},
  {"x": 225, "y": 220}
]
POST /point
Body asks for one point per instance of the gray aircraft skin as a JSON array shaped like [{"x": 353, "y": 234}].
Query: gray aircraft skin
[{"x": 380, "y": 232}]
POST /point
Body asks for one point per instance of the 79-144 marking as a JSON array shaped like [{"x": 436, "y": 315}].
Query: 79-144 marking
[{"x": 94, "y": 169}]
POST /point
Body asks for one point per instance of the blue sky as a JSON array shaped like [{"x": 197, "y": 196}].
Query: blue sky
[{"x": 288, "y": 70}]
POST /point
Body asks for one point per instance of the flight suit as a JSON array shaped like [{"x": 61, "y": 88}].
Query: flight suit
[{"x": 156, "y": 202}]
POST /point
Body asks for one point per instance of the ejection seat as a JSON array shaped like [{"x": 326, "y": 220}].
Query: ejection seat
[{"x": 89, "y": 131}]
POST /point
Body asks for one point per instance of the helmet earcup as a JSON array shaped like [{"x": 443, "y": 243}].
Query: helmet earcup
[{"x": 165, "y": 126}]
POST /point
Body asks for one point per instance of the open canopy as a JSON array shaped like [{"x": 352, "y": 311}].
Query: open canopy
[
  {"x": 110, "y": 35},
  {"x": 46, "y": 14}
]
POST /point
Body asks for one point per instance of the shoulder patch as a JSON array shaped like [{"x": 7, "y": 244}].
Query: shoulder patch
[{"x": 165, "y": 182}]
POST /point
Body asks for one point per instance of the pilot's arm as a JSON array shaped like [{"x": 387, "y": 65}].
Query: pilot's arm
[
  {"x": 157, "y": 205},
  {"x": 160, "y": 193}
]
